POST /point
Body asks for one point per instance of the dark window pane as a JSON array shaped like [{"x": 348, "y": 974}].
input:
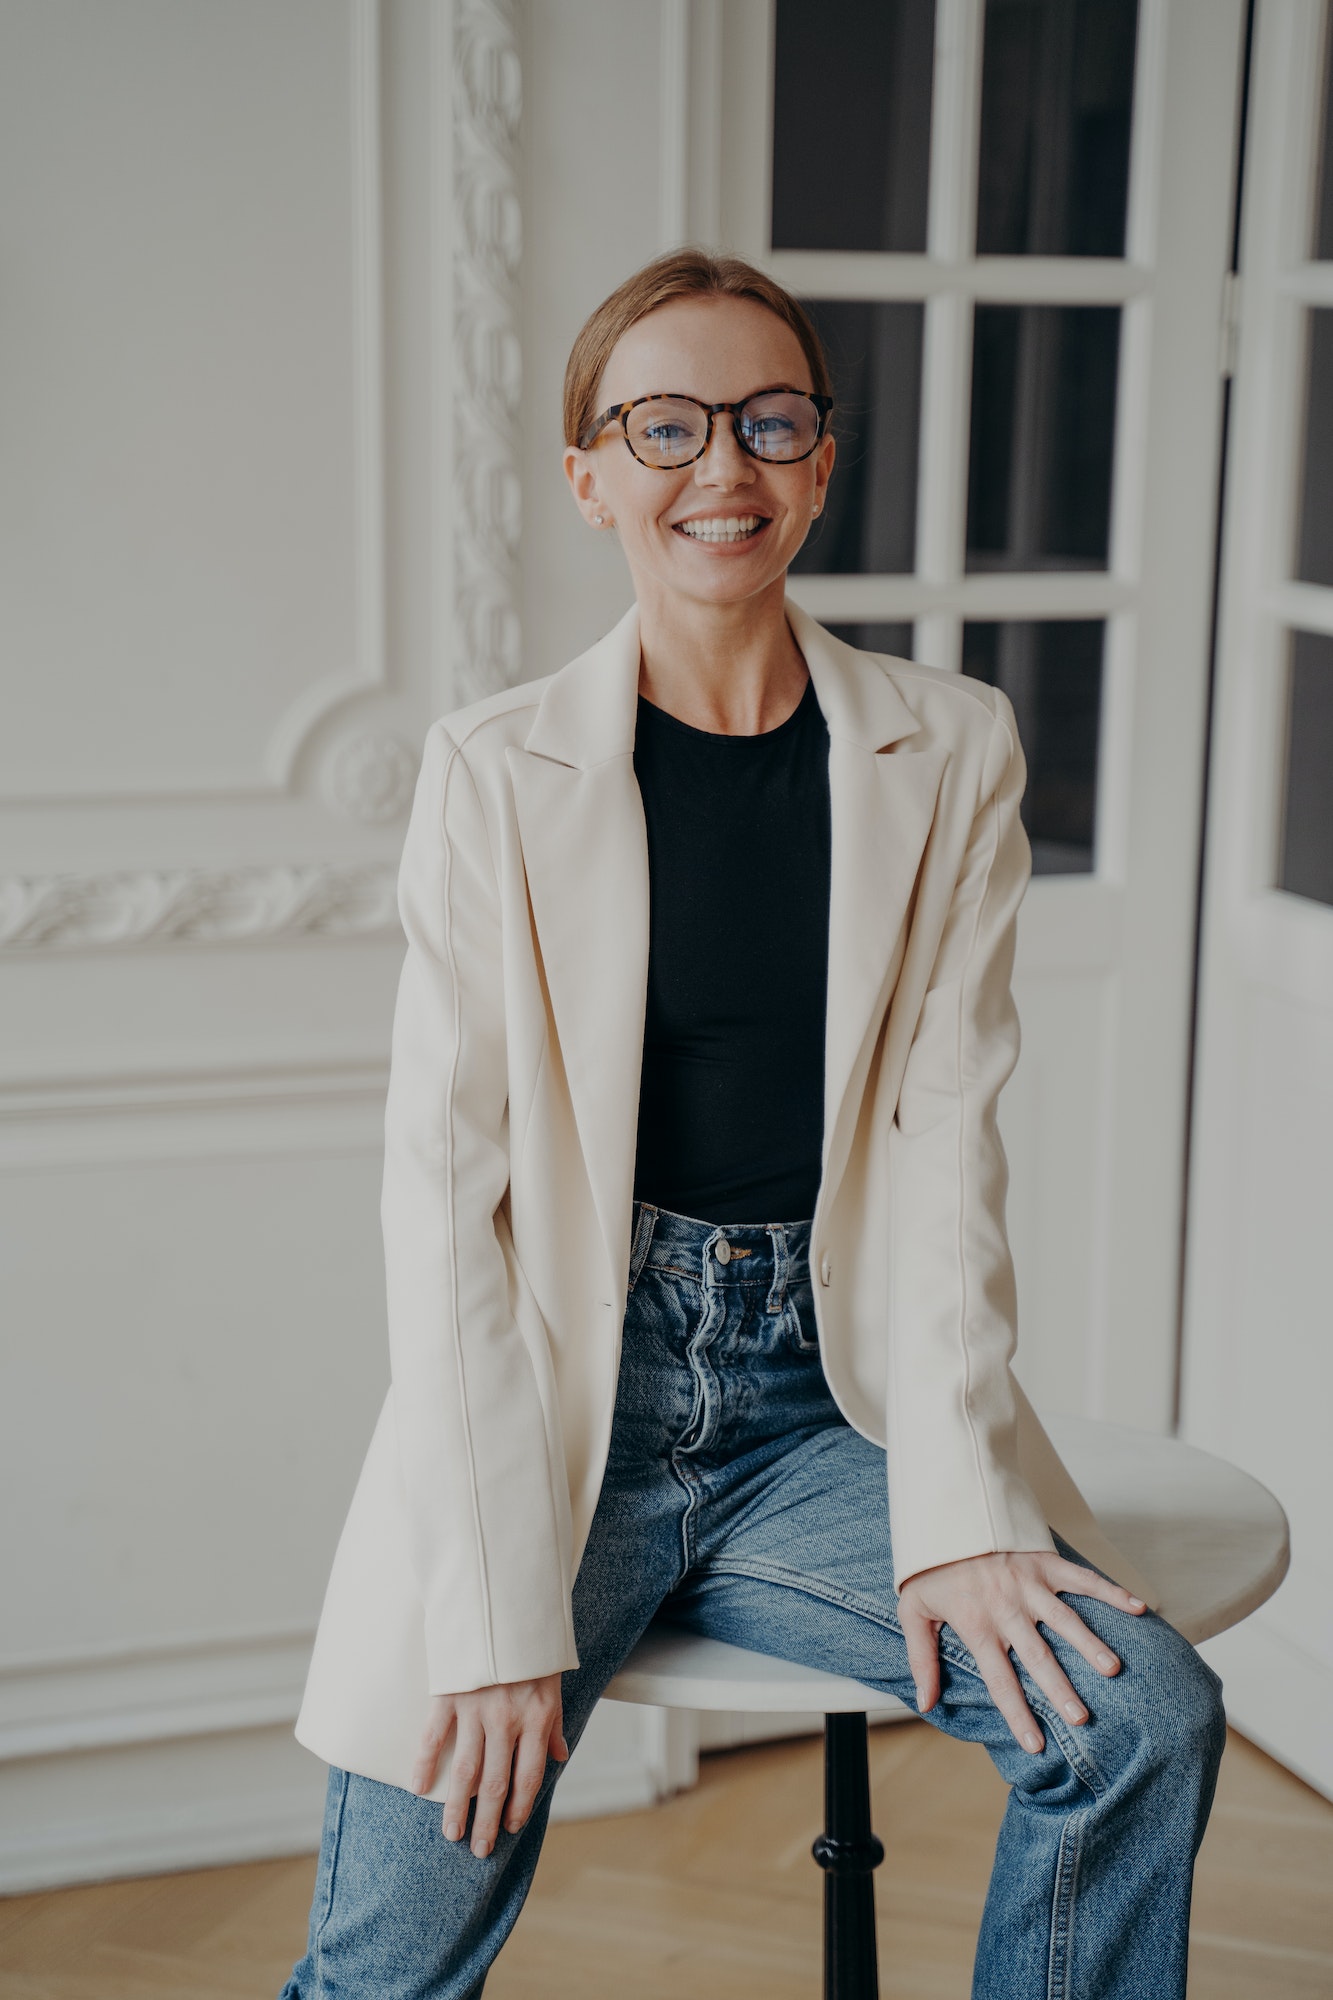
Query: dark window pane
[
  {"x": 1314, "y": 542},
  {"x": 851, "y": 124},
  {"x": 869, "y": 522},
  {"x": 1323, "y": 229},
  {"x": 1306, "y": 867},
  {"x": 1051, "y": 670},
  {"x": 1043, "y": 436},
  {"x": 877, "y": 638},
  {"x": 1057, "y": 91}
]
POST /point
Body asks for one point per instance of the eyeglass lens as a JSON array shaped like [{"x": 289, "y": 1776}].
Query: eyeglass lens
[{"x": 778, "y": 425}]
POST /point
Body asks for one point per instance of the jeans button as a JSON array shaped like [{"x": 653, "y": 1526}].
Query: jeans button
[{"x": 722, "y": 1251}]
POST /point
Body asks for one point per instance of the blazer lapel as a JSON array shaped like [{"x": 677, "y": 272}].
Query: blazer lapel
[
  {"x": 585, "y": 850},
  {"x": 882, "y": 794}
]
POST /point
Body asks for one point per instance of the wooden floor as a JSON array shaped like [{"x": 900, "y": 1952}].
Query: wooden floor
[{"x": 714, "y": 1894}]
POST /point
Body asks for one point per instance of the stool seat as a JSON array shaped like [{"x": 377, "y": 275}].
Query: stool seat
[{"x": 670, "y": 1668}]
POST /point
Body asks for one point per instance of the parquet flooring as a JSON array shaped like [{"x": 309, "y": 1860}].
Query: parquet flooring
[{"x": 714, "y": 1894}]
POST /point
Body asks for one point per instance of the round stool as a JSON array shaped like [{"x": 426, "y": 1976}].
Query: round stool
[{"x": 1212, "y": 1540}]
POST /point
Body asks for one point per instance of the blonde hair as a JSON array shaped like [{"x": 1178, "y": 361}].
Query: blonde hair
[{"x": 679, "y": 274}]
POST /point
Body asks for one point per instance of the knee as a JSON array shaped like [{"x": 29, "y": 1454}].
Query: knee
[{"x": 1182, "y": 1721}]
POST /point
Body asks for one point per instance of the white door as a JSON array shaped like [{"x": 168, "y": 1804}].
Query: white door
[
  {"x": 1258, "y": 1375},
  {"x": 1030, "y": 408}
]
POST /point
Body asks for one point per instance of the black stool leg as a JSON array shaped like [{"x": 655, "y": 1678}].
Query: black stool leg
[{"x": 847, "y": 1850}]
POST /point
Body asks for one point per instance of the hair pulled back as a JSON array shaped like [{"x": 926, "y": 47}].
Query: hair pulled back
[{"x": 678, "y": 274}]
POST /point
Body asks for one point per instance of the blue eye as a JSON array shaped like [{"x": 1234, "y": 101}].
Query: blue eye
[{"x": 769, "y": 435}]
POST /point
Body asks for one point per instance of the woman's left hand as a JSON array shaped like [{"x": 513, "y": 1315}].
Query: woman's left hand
[{"x": 994, "y": 1603}]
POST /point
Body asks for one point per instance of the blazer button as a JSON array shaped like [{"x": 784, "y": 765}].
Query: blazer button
[{"x": 826, "y": 1269}]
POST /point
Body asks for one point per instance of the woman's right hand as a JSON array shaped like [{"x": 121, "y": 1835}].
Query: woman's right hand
[{"x": 502, "y": 1736}]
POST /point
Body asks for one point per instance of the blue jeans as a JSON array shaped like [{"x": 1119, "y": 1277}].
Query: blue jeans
[{"x": 738, "y": 1502}]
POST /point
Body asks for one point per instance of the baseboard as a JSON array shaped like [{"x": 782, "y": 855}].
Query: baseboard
[
  {"x": 146, "y": 1809},
  {"x": 106, "y": 1697},
  {"x": 1279, "y": 1696}
]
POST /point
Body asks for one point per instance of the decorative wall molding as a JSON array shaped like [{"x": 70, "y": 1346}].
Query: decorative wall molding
[
  {"x": 487, "y": 245},
  {"x": 279, "y": 1111},
  {"x": 100, "y": 1697},
  {"x": 370, "y": 778},
  {"x": 197, "y": 906}
]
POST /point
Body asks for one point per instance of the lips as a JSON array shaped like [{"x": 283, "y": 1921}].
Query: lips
[{"x": 722, "y": 529}]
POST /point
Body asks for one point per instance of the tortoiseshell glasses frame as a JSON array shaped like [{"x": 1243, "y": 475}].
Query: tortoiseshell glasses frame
[{"x": 620, "y": 412}]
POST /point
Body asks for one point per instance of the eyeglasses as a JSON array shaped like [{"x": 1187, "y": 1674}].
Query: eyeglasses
[{"x": 781, "y": 426}]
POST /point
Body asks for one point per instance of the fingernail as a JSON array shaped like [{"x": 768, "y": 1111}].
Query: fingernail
[
  {"x": 452, "y": 1831},
  {"x": 1032, "y": 1741},
  {"x": 1137, "y": 1604},
  {"x": 1076, "y": 1711},
  {"x": 1106, "y": 1661},
  {"x": 921, "y": 1697},
  {"x": 482, "y": 1849}
]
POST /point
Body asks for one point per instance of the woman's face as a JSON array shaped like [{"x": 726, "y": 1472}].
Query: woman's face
[{"x": 719, "y": 350}]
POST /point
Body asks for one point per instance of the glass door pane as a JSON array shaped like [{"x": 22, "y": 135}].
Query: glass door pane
[
  {"x": 1305, "y": 866},
  {"x": 1043, "y": 437},
  {"x": 1051, "y": 670},
  {"x": 851, "y": 124},
  {"x": 1057, "y": 88},
  {"x": 1314, "y": 535}
]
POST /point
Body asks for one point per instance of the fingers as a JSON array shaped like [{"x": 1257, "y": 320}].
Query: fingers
[
  {"x": 1063, "y": 1618},
  {"x": 1002, "y": 1683},
  {"x": 439, "y": 1724},
  {"x": 1032, "y": 1650},
  {"x": 1047, "y": 1672},
  {"x": 463, "y": 1775},
  {"x": 529, "y": 1770},
  {"x": 922, "y": 1638},
  {"x": 1079, "y": 1582},
  {"x": 493, "y": 1789}
]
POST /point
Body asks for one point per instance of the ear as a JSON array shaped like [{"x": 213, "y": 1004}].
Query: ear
[
  {"x": 582, "y": 477},
  {"x": 824, "y": 458}
]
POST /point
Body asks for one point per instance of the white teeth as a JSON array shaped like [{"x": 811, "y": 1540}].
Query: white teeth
[{"x": 734, "y": 529}]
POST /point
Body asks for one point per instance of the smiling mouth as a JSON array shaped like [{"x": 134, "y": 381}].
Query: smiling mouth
[{"x": 733, "y": 528}]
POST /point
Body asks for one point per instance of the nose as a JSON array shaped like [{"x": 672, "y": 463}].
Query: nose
[{"x": 724, "y": 463}]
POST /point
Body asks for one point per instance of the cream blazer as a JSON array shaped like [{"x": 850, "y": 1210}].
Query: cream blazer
[{"x": 509, "y": 1165}]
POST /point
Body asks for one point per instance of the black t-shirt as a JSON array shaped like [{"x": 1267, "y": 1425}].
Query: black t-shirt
[{"x": 731, "y": 1107}]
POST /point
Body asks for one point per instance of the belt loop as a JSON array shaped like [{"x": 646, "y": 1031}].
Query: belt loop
[
  {"x": 643, "y": 1235},
  {"x": 777, "y": 1291}
]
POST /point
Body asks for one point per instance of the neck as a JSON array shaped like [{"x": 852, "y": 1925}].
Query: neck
[{"x": 734, "y": 669}]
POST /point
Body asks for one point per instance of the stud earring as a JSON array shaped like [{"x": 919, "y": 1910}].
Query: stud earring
[{"x": 600, "y": 519}]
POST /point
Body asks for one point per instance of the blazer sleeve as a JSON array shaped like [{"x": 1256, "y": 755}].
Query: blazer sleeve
[
  {"x": 489, "y": 1540},
  {"x": 955, "y": 1487}
]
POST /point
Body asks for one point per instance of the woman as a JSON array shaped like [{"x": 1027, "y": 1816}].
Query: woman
[{"x": 699, "y": 1294}]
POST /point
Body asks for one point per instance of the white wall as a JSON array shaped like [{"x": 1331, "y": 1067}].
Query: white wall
[{"x": 244, "y": 461}]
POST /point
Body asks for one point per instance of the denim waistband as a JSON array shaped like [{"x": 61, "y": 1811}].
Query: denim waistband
[{"x": 771, "y": 1254}]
